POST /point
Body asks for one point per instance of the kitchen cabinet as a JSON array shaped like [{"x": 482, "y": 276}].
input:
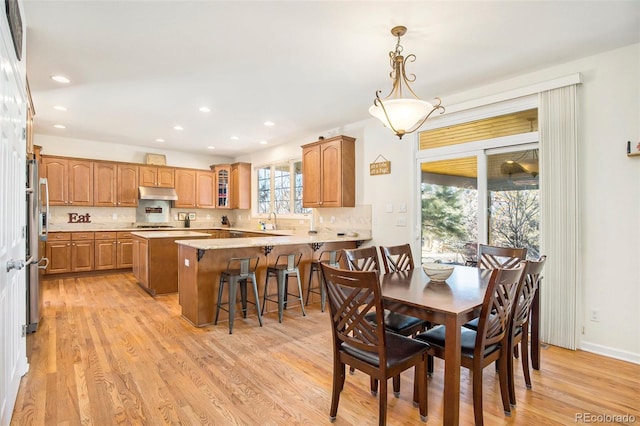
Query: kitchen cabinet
[
  {"x": 328, "y": 169},
  {"x": 70, "y": 181},
  {"x": 157, "y": 176},
  {"x": 115, "y": 184},
  {"x": 205, "y": 189},
  {"x": 195, "y": 189},
  {"x": 185, "y": 188},
  {"x": 113, "y": 250},
  {"x": 155, "y": 259},
  {"x": 223, "y": 185},
  {"x": 240, "y": 186},
  {"x": 70, "y": 252}
]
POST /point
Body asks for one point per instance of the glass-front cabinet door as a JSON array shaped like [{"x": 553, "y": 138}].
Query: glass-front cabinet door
[{"x": 223, "y": 186}]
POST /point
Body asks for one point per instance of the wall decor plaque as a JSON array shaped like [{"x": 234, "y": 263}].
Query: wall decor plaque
[{"x": 380, "y": 167}]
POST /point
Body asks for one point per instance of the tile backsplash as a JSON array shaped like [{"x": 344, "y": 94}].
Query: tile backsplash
[{"x": 345, "y": 219}]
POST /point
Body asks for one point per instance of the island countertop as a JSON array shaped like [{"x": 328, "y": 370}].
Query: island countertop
[{"x": 226, "y": 243}]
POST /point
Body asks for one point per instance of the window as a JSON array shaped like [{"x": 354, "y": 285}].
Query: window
[{"x": 280, "y": 189}]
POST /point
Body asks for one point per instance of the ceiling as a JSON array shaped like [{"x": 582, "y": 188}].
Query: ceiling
[{"x": 138, "y": 68}]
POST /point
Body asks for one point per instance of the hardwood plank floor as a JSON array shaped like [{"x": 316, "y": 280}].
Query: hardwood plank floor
[{"x": 108, "y": 353}]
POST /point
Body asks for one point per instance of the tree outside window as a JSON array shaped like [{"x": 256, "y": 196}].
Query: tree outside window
[{"x": 280, "y": 189}]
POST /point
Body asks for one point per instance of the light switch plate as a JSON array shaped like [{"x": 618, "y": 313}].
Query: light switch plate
[{"x": 389, "y": 208}]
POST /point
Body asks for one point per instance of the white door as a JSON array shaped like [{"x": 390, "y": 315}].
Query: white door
[{"x": 13, "y": 359}]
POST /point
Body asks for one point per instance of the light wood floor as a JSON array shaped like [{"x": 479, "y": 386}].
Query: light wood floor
[{"x": 107, "y": 353}]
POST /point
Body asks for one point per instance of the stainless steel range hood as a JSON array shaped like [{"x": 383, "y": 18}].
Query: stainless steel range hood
[{"x": 153, "y": 193}]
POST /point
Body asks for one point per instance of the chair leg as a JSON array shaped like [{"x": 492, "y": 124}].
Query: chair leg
[
  {"x": 525, "y": 357},
  {"x": 374, "y": 385},
  {"x": 264, "y": 295},
  {"x": 396, "y": 386},
  {"x": 422, "y": 393},
  {"x": 220, "y": 290},
  {"x": 338, "y": 384},
  {"x": 503, "y": 374},
  {"x": 281, "y": 278},
  {"x": 300, "y": 293},
  {"x": 430, "y": 365},
  {"x": 233, "y": 288},
  {"x": 477, "y": 395},
  {"x": 243, "y": 296},
  {"x": 312, "y": 269},
  {"x": 382, "y": 412},
  {"x": 323, "y": 293},
  {"x": 255, "y": 293},
  {"x": 510, "y": 374}
]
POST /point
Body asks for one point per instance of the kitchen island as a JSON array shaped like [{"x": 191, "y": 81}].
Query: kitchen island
[
  {"x": 155, "y": 258},
  {"x": 201, "y": 261}
]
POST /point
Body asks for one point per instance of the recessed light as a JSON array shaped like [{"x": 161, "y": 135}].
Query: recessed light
[
  {"x": 269, "y": 123},
  {"x": 59, "y": 126},
  {"x": 178, "y": 128},
  {"x": 211, "y": 147},
  {"x": 234, "y": 138},
  {"x": 60, "y": 79},
  {"x": 59, "y": 108},
  {"x": 159, "y": 140},
  {"x": 205, "y": 109},
  {"x": 263, "y": 142}
]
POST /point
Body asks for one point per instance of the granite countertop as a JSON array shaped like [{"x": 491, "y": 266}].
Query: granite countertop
[
  {"x": 225, "y": 243},
  {"x": 178, "y": 233}
]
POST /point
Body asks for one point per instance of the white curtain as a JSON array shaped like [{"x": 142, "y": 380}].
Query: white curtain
[{"x": 558, "y": 132}]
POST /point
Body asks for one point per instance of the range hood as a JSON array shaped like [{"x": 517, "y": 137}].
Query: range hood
[{"x": 153, "y": 193}]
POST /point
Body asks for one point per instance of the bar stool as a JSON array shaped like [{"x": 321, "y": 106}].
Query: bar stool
[
  {"x": 239, "y": 271},
  {"x": 286, "y": 266},
  {"x": 328, "y": 257}
]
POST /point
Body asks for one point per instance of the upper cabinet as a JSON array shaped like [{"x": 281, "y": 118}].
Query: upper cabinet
[
  {"x": 328, "y": 170},
  {"x": 70, "y": 181},
  {"x": 205, "y": 189},
  {"x": 185, "y": 188},
  {"x": 157, "y": 176},
  {"x": 241, "y": 186},
  {"x": 223, "y": 186},
  {"x": 115, "y": 184}
]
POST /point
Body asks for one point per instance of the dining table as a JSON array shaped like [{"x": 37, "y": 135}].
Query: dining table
[{"x": 452, "y": 302}]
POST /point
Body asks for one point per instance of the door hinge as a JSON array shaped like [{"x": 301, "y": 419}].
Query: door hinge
[{"x": 24, "y": 330}]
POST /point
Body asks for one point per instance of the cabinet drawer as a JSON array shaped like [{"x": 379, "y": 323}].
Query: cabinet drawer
[
  {"x": 105, "y": 235},
  {"x": 59, "y": 236},
  {"x": 78, "y": 236},
  {"x": 124, "y": 235}
]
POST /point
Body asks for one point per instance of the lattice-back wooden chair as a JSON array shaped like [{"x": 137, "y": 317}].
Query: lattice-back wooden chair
[
  {"x": 520, "y": 322},
  {"x": 362, "y": 259},
  {"x": 368, "y": 347},
  {"x": 366, "y": 259},
  {"x": 492, "y": 257},
  {"x": 397, "y": 258},
  {"x": 490, "y": 342}
]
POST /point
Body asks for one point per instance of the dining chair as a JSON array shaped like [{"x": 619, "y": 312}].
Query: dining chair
[
  {"x": 397, "y": 258},
  {"x": 492, "y": 257},
  {"x": 332, "y": 257},
  {"x": 366, "y": 259},
  {"x": 520, "y": 321},
  {"x": 490, "y": 342},
  {"x": 368, "y": 347}
]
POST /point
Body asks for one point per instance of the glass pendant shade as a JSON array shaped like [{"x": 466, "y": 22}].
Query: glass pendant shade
[{"x": 404, "y": 114}]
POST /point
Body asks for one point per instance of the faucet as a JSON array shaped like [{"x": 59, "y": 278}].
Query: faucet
[{"x": 275, "y": 219}]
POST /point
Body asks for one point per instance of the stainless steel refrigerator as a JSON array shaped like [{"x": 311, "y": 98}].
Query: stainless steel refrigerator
[{"x": 37, "y": 230}]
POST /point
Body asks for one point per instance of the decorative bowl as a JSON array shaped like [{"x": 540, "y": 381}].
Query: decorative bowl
[{"x": 437, "y": 271}]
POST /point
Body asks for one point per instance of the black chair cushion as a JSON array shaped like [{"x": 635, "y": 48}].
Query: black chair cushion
[
  {"x": 399, "y": 349},
  {"x": 436, "y": 337},
  {"x": 473, "y": 324},
  {"x": 396, "y": 322}
]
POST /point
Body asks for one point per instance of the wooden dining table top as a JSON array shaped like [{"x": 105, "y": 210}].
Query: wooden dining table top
[{"x": 463, "y": 292}]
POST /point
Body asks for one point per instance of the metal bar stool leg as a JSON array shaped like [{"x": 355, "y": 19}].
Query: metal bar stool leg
[
  {"x": 255, "y": 293},
  {"x": 233, "y": 289},
  {"x": 281, "y": 277},
  {"x": 220, "y": 290},
  {"x": 300, "y": 292}
]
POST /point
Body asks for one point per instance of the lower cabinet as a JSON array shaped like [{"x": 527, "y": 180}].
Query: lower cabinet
[
  {"x": 70, "y": 252},
  {"x": 113, "y": 250}
]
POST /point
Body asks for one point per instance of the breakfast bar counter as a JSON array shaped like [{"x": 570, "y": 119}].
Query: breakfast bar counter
[{"x": 200, "y": 263}]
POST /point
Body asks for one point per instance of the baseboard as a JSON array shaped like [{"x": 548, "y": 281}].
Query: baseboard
[{"x": 610, "y": 352}]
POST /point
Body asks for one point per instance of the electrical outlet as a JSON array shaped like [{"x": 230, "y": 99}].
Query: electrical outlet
[
  {"x": 186, "y": 263},
  {"x": 115, "y": 216},
  {"x": 594, "y": 315}
]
